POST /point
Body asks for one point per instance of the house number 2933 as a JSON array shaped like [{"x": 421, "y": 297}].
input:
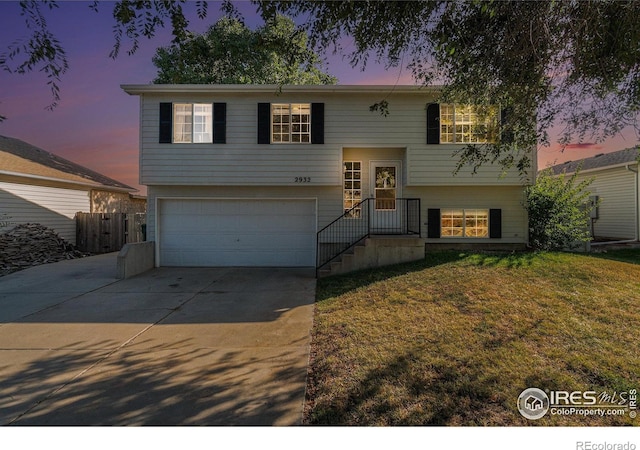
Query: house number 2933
[{"x": 303, "y": 179}]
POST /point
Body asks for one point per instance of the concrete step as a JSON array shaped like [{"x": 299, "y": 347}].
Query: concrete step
[{"x": 377, "y": 251}]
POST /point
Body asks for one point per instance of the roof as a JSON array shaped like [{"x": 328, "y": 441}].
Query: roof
[
  {"x": 600, "y": 161},
  {"x": 23, "y": 158},
  {"x": 138, "y": 89}
]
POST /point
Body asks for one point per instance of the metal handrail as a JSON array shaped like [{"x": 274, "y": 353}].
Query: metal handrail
[{"x": 399, "y": 216}]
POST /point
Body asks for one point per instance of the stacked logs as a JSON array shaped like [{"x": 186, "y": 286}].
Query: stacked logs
[{"x": 32, "y": 244}]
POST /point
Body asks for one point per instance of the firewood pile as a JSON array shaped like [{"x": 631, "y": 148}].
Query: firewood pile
[{"x": 32, "y": 244}]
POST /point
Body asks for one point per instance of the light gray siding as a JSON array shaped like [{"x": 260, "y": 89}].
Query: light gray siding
[
  {"x": 243, "y": 169},
  {"x": 329, "y": 199},
  {"x": 50, "y": 206},
  {"x": 509, "y": 199},
  {"x": 348, "y": 123},
  {"x": 618, "y": 210},
  {"x": 329, "y": 203},
  {"x": 239, "y": 162}
]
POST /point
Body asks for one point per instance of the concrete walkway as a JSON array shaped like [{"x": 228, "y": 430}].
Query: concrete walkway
[{"x": 172, "y": 346}]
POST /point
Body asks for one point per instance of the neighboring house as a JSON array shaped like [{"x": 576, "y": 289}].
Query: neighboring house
[
  {"x": 39, "y": 187},
  {"x": 246, "y": 175},
  {"x": 616, "y": 185}
]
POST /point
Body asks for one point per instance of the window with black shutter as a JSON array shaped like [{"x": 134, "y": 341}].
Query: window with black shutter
[
  {"x": 290, "y": 123},
  {"x": 433, "y": 123},
  {"x": 166, "y": 123},
  {"x": 192, "y": 123}
]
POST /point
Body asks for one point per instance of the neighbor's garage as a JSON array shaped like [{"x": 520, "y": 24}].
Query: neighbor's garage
[{"x": 247, "y": 232}]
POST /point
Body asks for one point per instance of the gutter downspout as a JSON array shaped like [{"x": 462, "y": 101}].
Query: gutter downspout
[{"x": 637, "y": 197}]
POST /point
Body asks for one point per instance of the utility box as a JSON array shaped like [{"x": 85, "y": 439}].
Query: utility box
[{"x": 594, "y": 200}]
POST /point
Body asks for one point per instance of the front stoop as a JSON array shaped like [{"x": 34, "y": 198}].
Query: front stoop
[{"x": 377, "y": 251}]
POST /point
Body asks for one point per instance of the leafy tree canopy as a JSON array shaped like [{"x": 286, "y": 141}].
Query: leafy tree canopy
[
  {"x": 569, "y": 62},
  {"x": 231, "y": 53}
]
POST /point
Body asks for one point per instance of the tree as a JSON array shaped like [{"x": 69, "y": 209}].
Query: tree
[
  {"x": 558, "y": 213},
  {"x": 133, "y": 20},
  {"x": 570, "y": 62},
  {"x": 231, "y": 53}
]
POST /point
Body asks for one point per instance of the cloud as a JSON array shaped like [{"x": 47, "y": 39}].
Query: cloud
[{"x": 584, "y": 146}]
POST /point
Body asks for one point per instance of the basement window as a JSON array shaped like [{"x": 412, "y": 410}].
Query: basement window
[{"x": 465, "y": 223}]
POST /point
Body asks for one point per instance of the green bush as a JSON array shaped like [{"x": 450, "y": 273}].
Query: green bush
[{"x": 558, "y": 212}]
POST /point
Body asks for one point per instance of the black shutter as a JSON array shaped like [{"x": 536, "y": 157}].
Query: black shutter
[
  {"x": 317, "y": 123},
  {"x": 506, "y": 134},
  {"x": 495, "y": 223},
  {"x": 264, "y": 123},
  {"x": 166, "y": 123},
  {"x": 433, "y": 123},
  {"x": 219, "y": 123},
  {"x": 433, "y": 223}
]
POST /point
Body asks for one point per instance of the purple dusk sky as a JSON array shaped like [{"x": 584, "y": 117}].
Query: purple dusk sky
[{"x": 96, "y": 123}]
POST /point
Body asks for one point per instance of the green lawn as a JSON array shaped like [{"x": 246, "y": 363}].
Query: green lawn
[{"x": 454, "y": 339}]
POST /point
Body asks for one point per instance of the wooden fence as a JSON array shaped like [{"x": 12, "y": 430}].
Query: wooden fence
[{"x": 108, "y": 232}]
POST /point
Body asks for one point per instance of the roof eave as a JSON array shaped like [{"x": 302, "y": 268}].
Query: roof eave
[
  {"x": 597, "y": 169},
  {"x": 138, "y": 89},
  {"x": 98, "y": 186}
]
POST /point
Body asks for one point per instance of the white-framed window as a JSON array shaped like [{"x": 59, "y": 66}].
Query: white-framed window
[
  {"x": 468, "y": 124},
  {"x": 193, "y": 123},
  {"x": 464, "y": 223},
  {"x": 352, "y": 188},
  {"x": 291, "y": 123}
]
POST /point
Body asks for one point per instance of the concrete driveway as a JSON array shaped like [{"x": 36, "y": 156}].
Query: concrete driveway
[{"x": 173, "y": 346}]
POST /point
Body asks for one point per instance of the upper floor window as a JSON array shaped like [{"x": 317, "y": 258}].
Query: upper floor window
[
  {"x": 192, "y": 123},
  {"x": 468, "y": 124},
  {"x": 291, "y": 122}
]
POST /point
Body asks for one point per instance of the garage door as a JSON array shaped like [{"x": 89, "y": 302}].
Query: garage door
[{"x": 210, "y": 233}]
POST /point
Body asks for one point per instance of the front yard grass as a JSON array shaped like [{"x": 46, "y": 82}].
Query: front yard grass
[{"x": 454, "y": 339}]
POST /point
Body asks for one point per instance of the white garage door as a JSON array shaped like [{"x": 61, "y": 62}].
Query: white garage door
[{"x": 210, "y": 233}]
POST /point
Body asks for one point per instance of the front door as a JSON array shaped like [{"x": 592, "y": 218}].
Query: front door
[{"x": 385, "y": 187}]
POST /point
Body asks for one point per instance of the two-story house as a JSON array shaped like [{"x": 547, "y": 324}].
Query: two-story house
[{"x": 247, "y": 175}]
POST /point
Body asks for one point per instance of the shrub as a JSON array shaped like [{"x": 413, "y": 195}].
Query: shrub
[{"x": 558, "y": 212}]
